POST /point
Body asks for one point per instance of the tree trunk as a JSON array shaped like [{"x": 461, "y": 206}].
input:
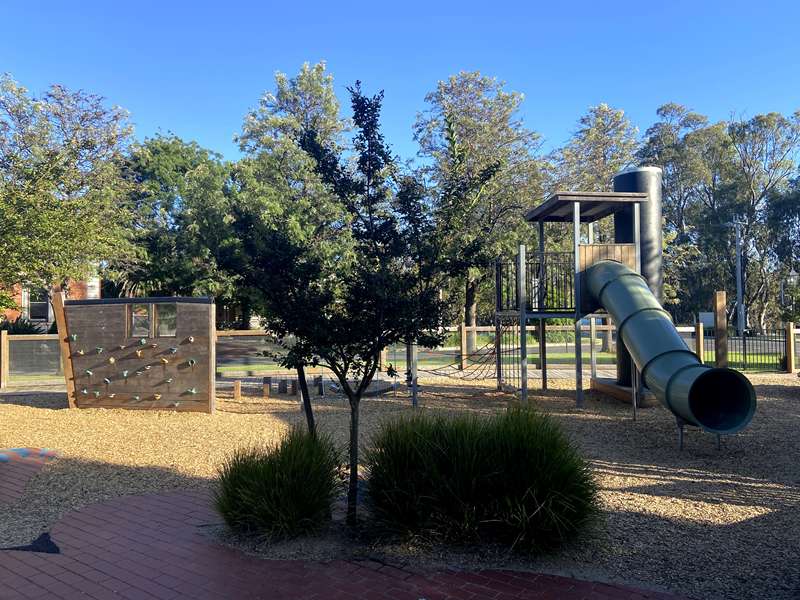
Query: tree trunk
[
  {"x": 247, "y": 313},
  {"x": 301, "y": 380},
  {"x": 352, "y": 489},
  {"x": 471, "y": 312}
]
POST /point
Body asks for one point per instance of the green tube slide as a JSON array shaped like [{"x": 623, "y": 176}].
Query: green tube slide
[{"x": 718, "y": 400}]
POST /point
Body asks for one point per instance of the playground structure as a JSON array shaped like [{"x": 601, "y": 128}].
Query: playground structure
[
  {"x": 138, "y": 353},
  {"x": 622, "y": 280}
]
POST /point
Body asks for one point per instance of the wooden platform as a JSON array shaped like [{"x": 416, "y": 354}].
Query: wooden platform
[{"x": 611, "y": 388}]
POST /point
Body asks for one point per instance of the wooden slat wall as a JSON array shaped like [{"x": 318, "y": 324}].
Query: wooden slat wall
[
  {"x": 592, "y": 253},
  {"x": 105, "y": 326}
]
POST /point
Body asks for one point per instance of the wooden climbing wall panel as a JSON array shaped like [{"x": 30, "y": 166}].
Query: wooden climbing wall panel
[{"x": 141, "y": 353}]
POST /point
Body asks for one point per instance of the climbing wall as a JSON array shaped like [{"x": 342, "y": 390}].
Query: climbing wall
[{"x": 142, "y": 353}]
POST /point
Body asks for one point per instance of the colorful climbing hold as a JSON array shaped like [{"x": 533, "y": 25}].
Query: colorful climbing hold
[
  {"x": 139, "y": 372},
  {"x": 111, "y": 395},
  {"x": 191, "y": 391},
  {"x": 137, "y": 398},
  {"x": 111, "y": 360},
  {"x": 88, "y": 372},
  {"x": 99, "y": 349},
  {"x": 84, "y": 391},
  {"x": 96, "y": 394},
  {"x": 142, "y": 341},
  {"x": 173, "y": 350},
  {"x": 73, "y": 337},
  {"x": 164, "y": 361},
  {"x": 168, "y": 380},
  {"x": 156, "y": 396},
  {"x": 106, "y": 380},
  {"x": 80, "y": 352},
  {"x": 125, "y": 374},
  {"x": 154, "y": 345},
  {"x": 139, "y": 353},
  {"x": 147, "y": 367},
  {"x": 121, "y": 347},
  {"x": 191, "y": 362},
  {"x": 191, "y": 339}
]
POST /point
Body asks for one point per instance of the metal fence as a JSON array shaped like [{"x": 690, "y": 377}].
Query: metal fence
[
  {"x": 758, "y": 352},
  {"x": 549, "y": 283}
]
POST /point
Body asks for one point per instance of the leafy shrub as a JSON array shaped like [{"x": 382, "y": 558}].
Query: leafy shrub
[
  {"x": 20, "y": 326},
  {"x": 280, "y": 491},
  {"x": 513, "y": 479}
]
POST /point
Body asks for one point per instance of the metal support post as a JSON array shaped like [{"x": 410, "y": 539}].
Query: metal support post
[
  {"x": 576, "y": 232},
  {"x": 637, "y": 234},
  {"x": 740, "y": 318},
  {"x": 412, "y": 373},
  {"x": 498, "y": 328},
  {"x": 592, "y": 335},
  {"x": 522, "y": 293},
  {"x": 636, "y": 389},
  {"x": 543, "y": 351}
]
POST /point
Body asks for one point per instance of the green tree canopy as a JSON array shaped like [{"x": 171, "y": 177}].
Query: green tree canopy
[
  {"x": 63, "y": 200},
  {"x": 180, "y": 196},
  {"x": 483, "y": 161}
]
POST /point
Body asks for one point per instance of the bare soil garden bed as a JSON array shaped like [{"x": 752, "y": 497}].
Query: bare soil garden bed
[{"x": 702, "y": 522}]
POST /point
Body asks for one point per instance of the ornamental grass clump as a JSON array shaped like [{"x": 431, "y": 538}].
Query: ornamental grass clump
[
  {"x": 281, "y": 491},
  {"x": 513, "y": 479}
]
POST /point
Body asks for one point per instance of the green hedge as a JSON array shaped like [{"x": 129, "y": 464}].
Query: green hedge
[
  {"x": 280, "y": 491},
  {"x": 513, "y": 479}
]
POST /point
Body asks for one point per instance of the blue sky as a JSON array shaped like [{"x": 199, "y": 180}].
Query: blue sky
[{"x": 195, "y": 68}]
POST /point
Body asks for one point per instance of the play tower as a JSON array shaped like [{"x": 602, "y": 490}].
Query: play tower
[{"x": 621, "y": 280}]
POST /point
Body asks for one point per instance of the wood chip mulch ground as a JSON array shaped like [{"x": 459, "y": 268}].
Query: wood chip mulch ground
[{"x": 703, "y": 522}]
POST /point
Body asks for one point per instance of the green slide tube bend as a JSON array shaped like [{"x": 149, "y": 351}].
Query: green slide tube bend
[{"x": 719, "y": 400}]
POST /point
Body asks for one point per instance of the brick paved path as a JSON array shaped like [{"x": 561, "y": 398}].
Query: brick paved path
[
  {"x": 151, "y": 547},
  {"x": 17, "y": 466}
]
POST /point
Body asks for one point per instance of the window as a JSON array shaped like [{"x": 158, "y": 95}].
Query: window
[
  {"x": 140, "y": 320},
  {"x": 166, "y": 320},
  {"x": 38, "y": 305}
]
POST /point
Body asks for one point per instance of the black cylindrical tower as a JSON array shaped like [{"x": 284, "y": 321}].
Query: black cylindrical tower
[{"x": 647, "y": 180}]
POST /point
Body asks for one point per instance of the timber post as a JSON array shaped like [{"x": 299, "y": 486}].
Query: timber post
[
  {"x": 790, "y": 365},
  {"x": 63, "y": 343},
  {"x": 721, "y": 329},
  {"x": 699, "y": 341}
]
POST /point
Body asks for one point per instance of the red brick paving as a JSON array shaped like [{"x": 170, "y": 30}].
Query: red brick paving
[
  {"x": 152, "y": 547},
  {"x": 17, "y": 466}
]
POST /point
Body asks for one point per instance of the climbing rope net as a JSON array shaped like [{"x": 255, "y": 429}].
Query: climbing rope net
[{"x": 481, "y": 363}]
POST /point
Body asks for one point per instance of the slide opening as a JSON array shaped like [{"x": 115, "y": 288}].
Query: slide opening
[{"x": 722, "y": 400}]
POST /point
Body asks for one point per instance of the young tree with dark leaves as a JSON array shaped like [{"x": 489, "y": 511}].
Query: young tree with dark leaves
[{"x": 365, "y": 276}]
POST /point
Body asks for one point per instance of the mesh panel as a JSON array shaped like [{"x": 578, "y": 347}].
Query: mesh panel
[
  {"x": 247, "y": 354},
  {"x": 33, "y": 358}
]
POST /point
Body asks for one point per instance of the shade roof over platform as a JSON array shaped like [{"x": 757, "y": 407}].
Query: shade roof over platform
[{"x": 594, "y": 205}]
